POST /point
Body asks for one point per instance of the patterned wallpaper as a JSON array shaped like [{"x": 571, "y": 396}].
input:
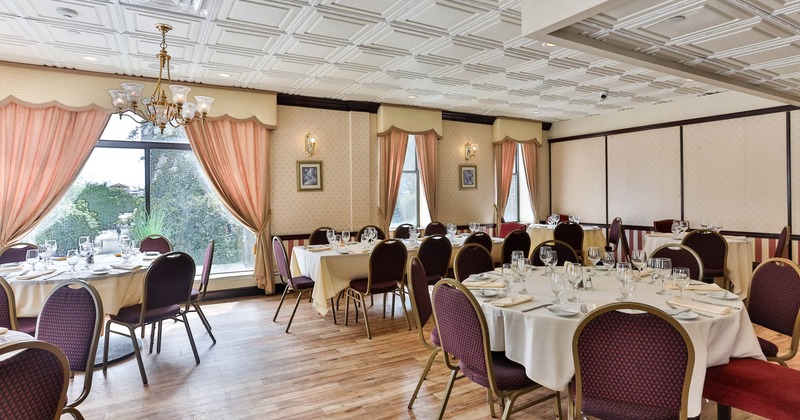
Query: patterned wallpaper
[
  {"x": 795, "y": 130},
  {"x": 543, "y": 204},
  {"x": 735, "y": 173},
  {"x": 644, "y": 176},
  {"x": 578, "y": 171}
]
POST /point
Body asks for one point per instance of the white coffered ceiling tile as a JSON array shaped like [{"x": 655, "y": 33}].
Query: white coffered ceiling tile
[
  {"x": 11, "y": 29},
  {"x": 371, "y": 7},
  {"x": 454, "y": 50},
  {"x": 71, "y": 56},
  {"x": 708, "y": 17},
  {"x": 270, "y": 15},
  {"x": 334, "y": 27},
  {"x": 231, "y": 37},
  {"x": 739, "y": 40},
  {"x": 369, "y": 58},
  {"x": 149, "y": 47},
  {"x": 212, "y": 75},
  {"x": 400, "y": 41},
  {"x": 290, "y": 66},
  {"x": 62, "y": 36},
  {"x": 142, "y": 22},
  {"x": 777, "y": 55},
  {"x": 6, "y": 8},
  {"x": 420, "y": 67},
  {"x": 227, "y": 58},
  {"x": 88, "y": 12},
  {"x": 502, "y": 29},
  {"x": 442, "y": 14}
]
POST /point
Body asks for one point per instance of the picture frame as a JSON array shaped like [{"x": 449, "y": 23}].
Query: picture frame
[
  {"x": 309, "y": 175},
  {"x": 469, "y": 177}
]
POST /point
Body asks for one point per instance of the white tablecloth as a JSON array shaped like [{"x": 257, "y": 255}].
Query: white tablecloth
[
  {"x": 332, "y": 272},
  {"x": 117, "y": 289},
  {"x": 542, "y": 341},
  {"x": 738, "y": 265},
  {"x": 592, "y": 236}
]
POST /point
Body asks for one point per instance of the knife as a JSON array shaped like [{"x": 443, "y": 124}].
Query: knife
[
  {"x": 537, "y": 307},
  {"x": 718, "y": 304},
  {"x": 695, "y": 311}
]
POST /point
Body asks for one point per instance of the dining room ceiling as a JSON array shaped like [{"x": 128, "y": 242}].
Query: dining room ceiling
[{"x": 466, "y": 56}]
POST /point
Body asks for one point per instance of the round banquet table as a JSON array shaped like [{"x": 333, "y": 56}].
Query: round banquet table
[
  {"x": 592, "y": 236},
  {"x": 542, "y": 341}
]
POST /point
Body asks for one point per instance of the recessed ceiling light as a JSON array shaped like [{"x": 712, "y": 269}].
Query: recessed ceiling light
[
  {"x": 224, "y": 75},
  {"x": 73, "y": 32},
  {"x": 676, "y": 19},
  {"x": 548, "y": 44},
  {"x": 535, "y": 112},
  {"x": 689, "y": 80},
  {"x": 89, "y": 58},
  {"x": 412, "y": 96},
  {"x": 66, "y": 12}
]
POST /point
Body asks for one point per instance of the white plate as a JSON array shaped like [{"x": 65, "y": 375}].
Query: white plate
[
  {"x": 723, "y": 295},
  {"x": 11, "y": 264},
  {"x": 483, "y": 276},
  {"x": 682, "y": 315},
  {"x": 152, "y": 253},
  {"x": 100, "y": 271},
  {"x": 561, "y": 310}
]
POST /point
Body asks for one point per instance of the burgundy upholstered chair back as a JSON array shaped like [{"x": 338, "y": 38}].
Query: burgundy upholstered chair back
[
  {"x": 571, "y": 233},
  {"x": 205, "y": 275},
  {"x": 34, "y": 381},
  {"x": 435, "y": 252},
  {"x": 418, "y": 288},
  {"x": 663, "y": 226},
  {"x": 563, "y": 218},
  {"x": 435, "y": 228},
  {"x": 563, "y": 250},
  {"x": 7, "y": 309},
  {"x": 782, "y": 247},
  {"x": 682, "y": 256},
  {"x": 472, "y": 259},
  {"x": 157, "y": 243},
  {"x": 774, "y": 299},
  {"x": 282, "y": 261},
  {"x": 631, "y": 365},
  {"x": 516, "y": 240},
  {"x": 169, "y": 280},
  {"x": 712, "y": 249},
  {"x": 508, "y": 227},
  {"x": 402, "y": 231},
  {"x": 381, "y": 235},
  {"x": 480, "y": 238},
  {"x": 387, "y": 262},
  {"x": 16, "y": 252},
  {"x": 319, "y": 236}
]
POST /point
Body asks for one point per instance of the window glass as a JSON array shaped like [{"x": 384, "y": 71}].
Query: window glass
[{"x": 126, "y": 129}]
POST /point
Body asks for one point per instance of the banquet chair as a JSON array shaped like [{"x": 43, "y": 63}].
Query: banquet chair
[
  {"x": 563, "y": 250},
  {"x": 199, "y": 294},
  {"x": 508, "y": 227},
  {"x": 781, "y": 247},
  {"x": 434, "y": 253},
  {"x": 630, "y": 364},
  {"x": 299, "y": 284},
  {"x": 774, "y": 303},
  {"x": 464, "y": 337},
  {"x": 8, "y": 312},
  {"x": 681, "y": 256},
  {"x": 319, "y": 236},
  {"x": 16, "y": 252},
  {"x": 563, "y": 217},
  {"x": 402, "y": 231},
  {"x": 34, "y": 377},
  {"x": 472, "y": 259},
  {"x": 517, "y": 240},
  {"x": 381, "y": 236},
  {"x": 480, "y": 238},
  {"x": 157, "y": 243},
  {"x": 663, "y": 226},
  {"x": 617, "y": 239},
  {"x": 71, "y": 318},
  {"x": 435, "y": 228},
  {"x": 572, "y": 234},
  {"x": 166, "y": 295},
  {"x": 387, "y": 266},
  {"x": 713, "y": 251},
  {"x": 422, "y": 311}
]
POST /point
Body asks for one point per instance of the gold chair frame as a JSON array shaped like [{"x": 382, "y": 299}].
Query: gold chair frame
[
  {"x": 35, "y": 344},
  {"x": 684, "y": 247},
  {"x": 550, "y": 243},
  {"x": 795, "y": 343},
  {"x": 462, "y": 250},
  {"x": 726, "y": 281},
  {"x": 12, "y": 303}
]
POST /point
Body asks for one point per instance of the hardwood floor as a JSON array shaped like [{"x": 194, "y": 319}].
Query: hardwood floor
[{"x": 318, "y": 370}]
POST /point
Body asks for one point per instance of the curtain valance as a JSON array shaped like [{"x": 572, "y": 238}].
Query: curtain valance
[
  {"x": 517, "y": 130},
  {"x": 409, "y": 120}
]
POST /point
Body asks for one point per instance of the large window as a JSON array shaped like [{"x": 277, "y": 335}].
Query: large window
[
  {"x": 518, "y": 207},
  {"x": 412, "y": 206},
  {"x": 139, "y": 182}
]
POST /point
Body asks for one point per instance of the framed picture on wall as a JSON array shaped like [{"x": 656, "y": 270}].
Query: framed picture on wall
[
  {"x": 309, "y": 175},
  {"x": 469, "y": 177}
]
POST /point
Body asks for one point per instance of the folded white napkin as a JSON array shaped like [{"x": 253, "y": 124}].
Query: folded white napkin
[
  {"x": 700, "y": 306},
  {"x": 10, "y": 268},
  {"x": 700, "y": 287},
  {"x": 317, "y": 248},
  {"x": 3, "y": 330},
  {"x": 36, "y": 274},
  {"x": 483, "y": 284},
  {"x": 512, "y": 300},
  {"x": 129, "y": 267}
]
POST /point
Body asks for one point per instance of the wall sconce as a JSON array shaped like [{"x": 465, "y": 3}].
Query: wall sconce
[
  {"x": 470, "y": 150},
  {"x": 311, "y": 144}
]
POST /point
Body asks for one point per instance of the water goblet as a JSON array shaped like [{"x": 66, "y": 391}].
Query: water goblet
[
  {"x": 506, "y": 269},
  {"x": 52, "y": 247},
  {"x": 525, "y": 269},
  {"x": 346, "y": 236},
  {"x": 593, "y": 255},
  {"x": 330, "y": 234},
  {"x": 608, "y": 262},
  {"x": 44, "y": 255},
  {"x": 639, "y": 259},
  {"x": 676, "y": 229},
  {"x": 664, "y": 272},
  {"x": 515, "y": 256},
  {"x": 626, "y": 286},
  {"x": 680, "y": 275},
  {"x": 73, "y": 258},
  {"x": 622, "y": 268},
  {"x": 557, "y": 285},
  {"x": 553, "y": 260},
  {"x": 652, "y": 265},
  {"x": 576, "y": 218},
  {"x": 544, "y": 255},
  {"x": 684, "y": 225},
  {"x": 574, "y": 274},
  {"x": 571, "y": 217},
  {"x": 32, "y": 257}
]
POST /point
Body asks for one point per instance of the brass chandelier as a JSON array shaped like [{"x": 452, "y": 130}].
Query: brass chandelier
[{"x": 156, "y": 109}]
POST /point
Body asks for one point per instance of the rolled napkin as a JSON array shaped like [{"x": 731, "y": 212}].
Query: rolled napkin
[
  {"x": 700, "y": 306},
  {"x": 317, "y": 248},
  {"x": 3, "y": 330},
  {"x": 128, "y": 267},
  {"x": 700, "y": 287},
  {"x": 11, "y": 268},
  {"x": 512, "y": 300},
  {"x": 36, "y": 274},
  {"x": 483, "y": 281}
]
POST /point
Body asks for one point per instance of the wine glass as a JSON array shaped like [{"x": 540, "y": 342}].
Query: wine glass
[
  {"x": 680, "y": 275},
  {"x": 571, "y": 217},
  {"x": 544, "y": 255},
  {"x": 52, "y": 247},
  {"x": 32, "y": 257},
  {"x": 593, "y": 255},
  {"x": 639, "y": 259},
  {"x": 664, "y": 268},
  {"x": 608, "y": 262},
  {"x": 515, "y": 256},
  {"x": 576, "y": 218},
  {"x": 525, "y": 269},
  {"x": 676, "y": 229},
  {"x": 652, "y": 265},
  {"x": 684, "y": 225},
  {"x": 330, "y": 234},
  {"x": 346, "y": 236},
  {"x": 557, "y": 286},
  {"x": 553, "y": 260},
  {"x": 44, "y": 254},
  {"x": 574, "y": 274},
  {"x": 622, "y": 268},
  {"x": 125, "y": 248},
  {"x": 87, "y": 249},
  {"x": 626, "y": 286},
  {"x": 73, "y": 258}
]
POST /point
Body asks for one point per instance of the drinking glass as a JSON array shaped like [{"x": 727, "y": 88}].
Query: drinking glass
[
  {"x": 473, "y": 226},
  {"x": 557, "y": 286},
  {"x": 125, "y": 248},
  {"x": 680, "y": 275},
  {"x": 506, "y": 269},
  {"x": 574, "y": 274},
  {"x": 593, "y": 255},
  {"x": 346, "y": 236},
  {"x": 73, "y": 258},
  {"x": 544, "y": 255},
  {"x": 44, "y": 255},
  {"x": 652, "y": 265},
  {"x": 330, "y": 234},
  {"x": 676, "y": 228},
  {"x": 622, "y": 268},
  {"x": 87, "y": 249},
  {"x": 82, "y": 240},
  {"x": 664, "y": 269},
  {"x": 576, "y": 218},
  {"x": 684, "y": 224},
  {"x": 608, "y": 262},
  {"x": 32, "y": 257},
  {"x": 515, "y": 256},
  {"x": 626, "y": 286},
  {"x": 571, "y": 217},
  {"x": 639, "y": 259},
  {"x": 524, "y": 269},
  {"x": 52, "y": 247},
  {"x": 553, "y": 260}
]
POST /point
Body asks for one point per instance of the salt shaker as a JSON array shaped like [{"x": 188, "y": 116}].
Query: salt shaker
[{"x": 587, "y": 284}]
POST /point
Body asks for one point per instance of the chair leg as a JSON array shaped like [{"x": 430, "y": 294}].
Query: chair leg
[
  {"x": 424, "y": 375},
  {"x": 283, "y": 296},
  {"x": 447, "y": 394},
  {"x": 384, "y": 305},
  {"x": 490, "y": 399},
  {"x": 152, "y": 336},
  {"x": 333, "y": 311},
  {"x": 105, "y": 345},
  {"x": 366, "y": 316},
  {"x": 73, "y": 412},
  {"x": 191, "y": 338},
  {"x": 403, "y": 305},
  {"x": 296, "y": 304},
  {"x": 205, "y": 321},
  {"x": 138, "y": 354},
  {"x": 160, "y": 330},
  {"x": 346, "y": 307},
  {"x": 355, "y": 307}
]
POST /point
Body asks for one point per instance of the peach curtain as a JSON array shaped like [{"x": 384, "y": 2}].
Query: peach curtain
[
  {"x": 426, "y": 156},
  {"x": 503, "y": 169},
  {"x": 529, "y": 161},
  {"x": 42, "y": 151},
  {"x": 393, "y": 154},
  {"x": 235, "y": 157}
]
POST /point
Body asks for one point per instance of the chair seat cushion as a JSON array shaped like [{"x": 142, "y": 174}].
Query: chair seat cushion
[
  {"x": 130, "y": 314},
  {"x": 302, "y": 283},
  {"x": 378, "y": 287},
  {"x": 435, "y": 337},
  {"x": 614, "y": 409},
  {"x": 26, "y": 325},
  {"x": 768, "y": 348},
  {"x": 509, "y": 375}
]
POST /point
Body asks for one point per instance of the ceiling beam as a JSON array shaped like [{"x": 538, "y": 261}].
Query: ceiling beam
[{"x": 541, "y": 17}]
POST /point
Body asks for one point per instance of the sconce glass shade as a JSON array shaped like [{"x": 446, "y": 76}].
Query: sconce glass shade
[
  {"x": 310, "y": 145},
  {"x": 470, "y": 150}
]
